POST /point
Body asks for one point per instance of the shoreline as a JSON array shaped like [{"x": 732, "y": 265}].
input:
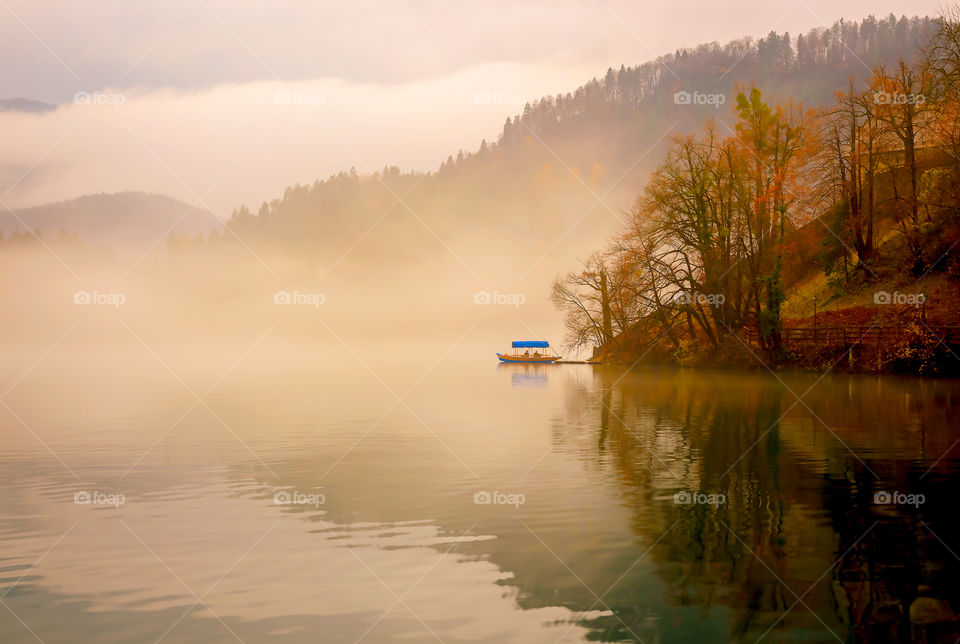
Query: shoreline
[{"x": 910, "y": 361}]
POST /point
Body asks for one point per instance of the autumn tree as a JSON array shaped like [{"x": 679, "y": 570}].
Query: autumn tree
[
  {"x": 902, "y": 107},
  {"x": 848, "y": 163},
  {"x": 943, "y": 59},
  {"x": 585, "y": 297},
  {"x": 777, "y": 144}
]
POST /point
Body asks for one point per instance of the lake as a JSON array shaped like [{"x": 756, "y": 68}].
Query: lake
[{"x": 270, "y": 490}]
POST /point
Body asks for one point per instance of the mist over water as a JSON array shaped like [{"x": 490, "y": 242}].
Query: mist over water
[
  {"x": 407, "y": 286},
  {"x": 315, "y": 482}
]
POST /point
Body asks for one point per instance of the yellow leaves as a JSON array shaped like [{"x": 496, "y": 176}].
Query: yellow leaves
[
  {"x": 546, "y": 176},
  {"x": 542, "y": 177},
  {"x": 595, "y": 173}
]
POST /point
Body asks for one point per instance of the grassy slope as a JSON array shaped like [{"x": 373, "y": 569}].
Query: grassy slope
[{"x": 890, "y": 273}]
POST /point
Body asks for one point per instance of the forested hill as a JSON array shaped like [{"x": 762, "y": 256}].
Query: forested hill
[
  {"x": 552, "y": 162},
  {"x": 809, "y": 67}
]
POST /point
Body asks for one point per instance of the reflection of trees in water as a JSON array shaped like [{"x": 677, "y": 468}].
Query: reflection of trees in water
[
  {"x": 899, "y": 582},
  {"x": 795, "y": 501},
  {"x": 766, "y": 559}
]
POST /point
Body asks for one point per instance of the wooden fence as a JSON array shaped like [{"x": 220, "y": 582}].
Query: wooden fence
[{"x": 858, "y": 335}]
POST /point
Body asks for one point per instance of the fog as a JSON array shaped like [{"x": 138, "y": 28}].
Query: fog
[
  {"x": 223, "y": 104},
  {"x": 476, "y": 291},
  {"x": 243, "y": 144}
]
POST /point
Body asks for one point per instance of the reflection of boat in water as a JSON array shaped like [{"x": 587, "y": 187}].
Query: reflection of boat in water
[
  {"x": 524, "y": 374},
  {"x": 536, "y": 357}
]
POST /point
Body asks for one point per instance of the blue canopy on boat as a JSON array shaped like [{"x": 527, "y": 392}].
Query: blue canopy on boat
[{"x": 530, "y": 344}]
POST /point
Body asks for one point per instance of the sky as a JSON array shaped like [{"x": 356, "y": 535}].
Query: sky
[{"x": 226, "y": 102}]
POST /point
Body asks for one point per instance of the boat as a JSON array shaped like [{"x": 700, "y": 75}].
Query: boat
[{"x": 536, "y": 357}]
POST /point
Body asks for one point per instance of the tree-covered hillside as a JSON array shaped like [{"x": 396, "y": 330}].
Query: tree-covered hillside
[
  {"x": 581, "y": 157},
  {"x": 741, "y": 231}
]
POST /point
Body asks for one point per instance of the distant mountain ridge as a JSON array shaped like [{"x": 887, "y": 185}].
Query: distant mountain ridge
[
  {"x": 130, "y": 221},
  {"x": 25, "y": 105}
]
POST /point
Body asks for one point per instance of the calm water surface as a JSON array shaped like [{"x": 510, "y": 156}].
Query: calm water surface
[{"x": 289, "y": 494}]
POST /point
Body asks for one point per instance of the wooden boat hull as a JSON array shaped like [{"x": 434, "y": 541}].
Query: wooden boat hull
[{"x": 528, "y": 359}]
